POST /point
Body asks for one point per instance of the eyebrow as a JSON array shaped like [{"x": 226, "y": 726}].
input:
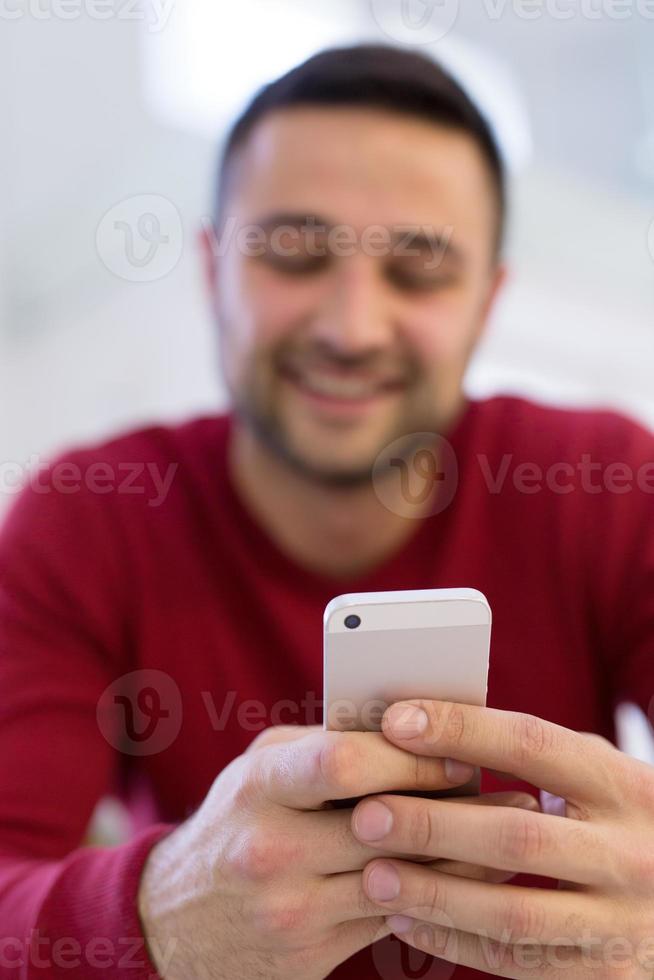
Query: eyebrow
[
  {"x": 418, "y": 235},
  {"x": 293, "y": 218}
]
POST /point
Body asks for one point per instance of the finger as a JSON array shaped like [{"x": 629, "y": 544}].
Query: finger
[
  {"x": 506, "y": 777},
  {"x": 333, "y": 848},
  {"x": 505, "y": 912},
  {"x": 509, "y": 838},
  {"x": 598, "y": 738},
  {"x": 348, "y": 938},
  {"x": 549, "y": 756},
  {"x": 500, "y": 959},
  {"x": 476, "y": 871},
  {"x": 341, "y": 898},
  {"x": 308, "y": 772},
  {"x": 281, "y": 733},
  {"x": 504, "y": 797}
]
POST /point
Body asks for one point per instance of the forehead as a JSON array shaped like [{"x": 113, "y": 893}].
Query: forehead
[{"x": 362, "y": 165}]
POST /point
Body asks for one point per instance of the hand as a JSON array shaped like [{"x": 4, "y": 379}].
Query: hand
[
  {"x": 265, "y": 878},
  {"x": 599, "y": 922}
]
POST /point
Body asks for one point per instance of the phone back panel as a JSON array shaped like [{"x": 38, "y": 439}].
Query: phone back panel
[{"x": 368, "y": 670}]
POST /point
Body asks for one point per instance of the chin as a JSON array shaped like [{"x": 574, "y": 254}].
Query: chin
[
  {"x": 339, "y": 447},
  {"x": 336, "y": 456},
  {"x": 329, "y": 466}
]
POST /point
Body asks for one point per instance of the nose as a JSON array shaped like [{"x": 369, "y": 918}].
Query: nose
[{"x": 355, "y": 316}]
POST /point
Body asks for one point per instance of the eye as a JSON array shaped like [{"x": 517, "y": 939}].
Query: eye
[
  {"x": 294, "y": 251},
  {"x": 295, "y": 265},
  {"x": 414, "y": 277}
]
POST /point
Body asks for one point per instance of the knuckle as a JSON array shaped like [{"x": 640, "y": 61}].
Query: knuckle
[
  {"x": 339, "y": 761},
  {"x": 256, "y": 857},
  {"x": 427, "y": 772},
  {"x": 521, "y": 838},
  {"x": 432, "y": 896},
  {"x": 279, "y": 916},
  {"x": 422, "y": 830},
  {"x": 531, "y": 738},
  {"x": 522, "y": 918},
  {"x": 448, "y": 722},
  {"x": 426, "y": 899}
]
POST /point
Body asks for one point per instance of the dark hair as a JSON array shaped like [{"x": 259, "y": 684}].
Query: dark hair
[{"x": 379, "y": 76}]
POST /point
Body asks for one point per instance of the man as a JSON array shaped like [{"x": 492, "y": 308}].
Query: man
[{"x": 142, "y": 646}]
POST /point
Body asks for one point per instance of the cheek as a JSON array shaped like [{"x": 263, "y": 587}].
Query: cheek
[
  {"x": 440, "y": 329},
  {"x": 267, "y": 307},
  {"x": 437, "y": 333}
]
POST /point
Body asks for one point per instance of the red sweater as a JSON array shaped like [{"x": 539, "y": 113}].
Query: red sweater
[{"x": 95, "y": 584}]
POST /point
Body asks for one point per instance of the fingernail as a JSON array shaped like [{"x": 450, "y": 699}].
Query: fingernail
[
  {"x": 372, "y": 821},
  {"x": 399, "y": 923},
  {"x": 406, "y": 720},
  {"x": 551, "y": 804},
  {"x": 458, "y": 772},
  {"x": 383, "y": 883}
]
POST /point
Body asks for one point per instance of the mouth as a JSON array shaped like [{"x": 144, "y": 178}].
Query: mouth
[{"x": 341, "y": 392}]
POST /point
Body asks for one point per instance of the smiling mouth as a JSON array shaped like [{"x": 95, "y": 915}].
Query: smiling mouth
[{"x": 341, "y": 387}]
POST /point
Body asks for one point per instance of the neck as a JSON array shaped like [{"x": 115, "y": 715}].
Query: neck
[{"x": 339, "y": 531}]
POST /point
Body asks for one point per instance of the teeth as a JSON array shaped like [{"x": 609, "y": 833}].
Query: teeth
[{"x": 339, "y": 387}]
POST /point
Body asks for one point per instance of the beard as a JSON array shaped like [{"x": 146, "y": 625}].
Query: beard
[
  {"x": 256, "y": 404},
  {"x": 272, "y": 436}
]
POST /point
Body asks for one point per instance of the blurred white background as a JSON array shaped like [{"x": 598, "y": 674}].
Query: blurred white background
[
  {"x": 113, "y": 103},
  {"x": 107, "y": 103}
]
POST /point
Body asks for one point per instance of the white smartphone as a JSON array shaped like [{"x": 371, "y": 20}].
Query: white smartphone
[{"x": 382, "y": 647}]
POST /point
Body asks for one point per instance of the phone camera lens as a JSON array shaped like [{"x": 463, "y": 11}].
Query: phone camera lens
[{"x": 352, "y": 621}]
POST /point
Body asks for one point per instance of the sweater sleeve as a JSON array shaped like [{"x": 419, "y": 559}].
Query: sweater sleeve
[{"x": 66, "y": 910}]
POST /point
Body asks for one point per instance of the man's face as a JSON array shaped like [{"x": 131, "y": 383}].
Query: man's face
[{"x": 338, "y": 340}]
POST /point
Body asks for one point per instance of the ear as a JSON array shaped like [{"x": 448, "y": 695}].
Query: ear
[{"x": 498, "y": 278}]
